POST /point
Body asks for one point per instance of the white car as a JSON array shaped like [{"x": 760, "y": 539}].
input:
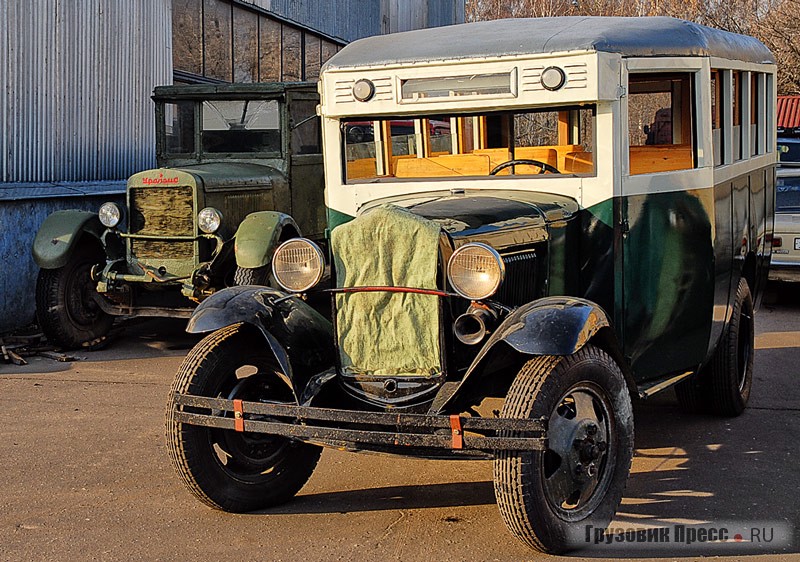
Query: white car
[{"x": 786, "y": 240}]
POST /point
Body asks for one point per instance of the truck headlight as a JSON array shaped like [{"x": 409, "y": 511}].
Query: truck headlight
[
  {"x": 109, "y": 215},
  {"x": 209, "y": 220},
  {"x": 475, "y": 271},
  {"x": 298, "y": 265}
]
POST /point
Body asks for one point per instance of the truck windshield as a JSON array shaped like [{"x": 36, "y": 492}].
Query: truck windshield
[
  {"x": 549, "y": 141},
  {"x": 231, "y": 126}
]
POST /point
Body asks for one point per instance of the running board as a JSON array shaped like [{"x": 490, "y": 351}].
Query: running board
[{"x": 661, "y": 384}]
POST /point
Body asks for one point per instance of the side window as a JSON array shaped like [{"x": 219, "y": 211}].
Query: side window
[
  {"x": 756, "y": 106},
  {"x": 660, "y": 127},
  {"x": 179, "y": 127},
  {"x": 306, "y": 137},
  {"x": 736, "y": 104},
  {"x": 717, "y": 117}
]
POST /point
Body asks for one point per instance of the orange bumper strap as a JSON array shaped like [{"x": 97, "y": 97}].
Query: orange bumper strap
[
  {"x": 238, "y": 415},
  {"x": 457, "y": 432}
]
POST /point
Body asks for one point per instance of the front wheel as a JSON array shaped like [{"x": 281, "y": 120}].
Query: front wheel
[
  {"x": 66, "y": 309},
  {"x": 547, "y": 498},
  {"x": 224, "y": 469}
]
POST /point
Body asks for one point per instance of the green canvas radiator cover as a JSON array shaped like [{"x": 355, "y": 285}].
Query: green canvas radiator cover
[{"x": 383, "y": 333}]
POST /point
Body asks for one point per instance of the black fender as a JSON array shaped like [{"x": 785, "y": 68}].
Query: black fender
[
  {"x": 547, "y": 326},
  {"x": 300, "y": 338}
]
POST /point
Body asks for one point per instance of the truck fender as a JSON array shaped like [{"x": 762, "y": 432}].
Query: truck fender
[
  {"x": 547, "y": 326},
  {"x": 259, "y": 234},
  {"x": 300, "y": 338},
  {"x": 59, "y": 234}
]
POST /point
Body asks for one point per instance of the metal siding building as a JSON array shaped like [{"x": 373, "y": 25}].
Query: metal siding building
[{"x": 75, "y": 117}]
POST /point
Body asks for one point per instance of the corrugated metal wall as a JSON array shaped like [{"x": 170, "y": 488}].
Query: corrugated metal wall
[
  {"x": 354, "y": 19},
  {"x": 75, "y": 84},
  {"x": 343, "y": 19}
]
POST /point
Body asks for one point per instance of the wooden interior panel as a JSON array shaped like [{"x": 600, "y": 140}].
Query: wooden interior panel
[
  {"x": 361, "y": 168},
  {"x": 579, "y": 162},
  {"x": 442, "y": 166},
  {"x": 660, "y": 158}
]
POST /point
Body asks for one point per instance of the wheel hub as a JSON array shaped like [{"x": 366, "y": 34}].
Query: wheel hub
[{"x": 575, "y": 461}]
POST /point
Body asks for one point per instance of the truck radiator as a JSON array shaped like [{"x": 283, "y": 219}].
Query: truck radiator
[
  {"x": 162, "y": 211},
  {"x": 519, "y": 286}
]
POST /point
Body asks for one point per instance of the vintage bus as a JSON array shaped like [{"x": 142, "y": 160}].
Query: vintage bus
[{"x": 588, "y": 222}]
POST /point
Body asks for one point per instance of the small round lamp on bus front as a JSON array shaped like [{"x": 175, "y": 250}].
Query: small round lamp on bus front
[
  {"x": 553, "y": 78},
  {"x": 363, "y": 90}
]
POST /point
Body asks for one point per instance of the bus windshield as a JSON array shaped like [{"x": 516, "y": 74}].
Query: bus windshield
[{"x": 552, "y": 141}]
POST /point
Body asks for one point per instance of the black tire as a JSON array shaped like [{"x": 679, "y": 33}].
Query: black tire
[
  {"x": 237, "y": 472},
  {"x": 252, "y": 276},
  {"x": 547, "y": 498},
  {"x": 65, "y": 307},
  {"x": 723, "y": 387}
]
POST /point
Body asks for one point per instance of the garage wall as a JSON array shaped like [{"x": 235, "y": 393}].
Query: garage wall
[{"x": 76, "y": 117}]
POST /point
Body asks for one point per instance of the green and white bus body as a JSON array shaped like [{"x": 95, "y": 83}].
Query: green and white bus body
[
  {"x": 660, "y": 249},
  {"x": 531, "y": 222}
]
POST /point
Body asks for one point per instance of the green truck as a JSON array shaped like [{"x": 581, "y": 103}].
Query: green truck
[{"x": 239, "y": 171}]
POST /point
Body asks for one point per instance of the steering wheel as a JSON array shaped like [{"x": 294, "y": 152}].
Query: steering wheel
[{"x": 542, "y": 165}]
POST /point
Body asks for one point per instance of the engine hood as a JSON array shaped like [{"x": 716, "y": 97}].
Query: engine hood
[
  {"x": 227, "y": 175},
  {"x": 502, "y": 219}
]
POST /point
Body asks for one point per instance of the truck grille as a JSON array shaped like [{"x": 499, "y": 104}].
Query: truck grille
[
  {"x": 156, "y": 249},
  {"x": 519, "y": 286},
  {"x": 162, "y": 211}
]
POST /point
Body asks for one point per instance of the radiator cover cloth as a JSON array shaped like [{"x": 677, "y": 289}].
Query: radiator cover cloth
[{"x": 381, "y": 333}]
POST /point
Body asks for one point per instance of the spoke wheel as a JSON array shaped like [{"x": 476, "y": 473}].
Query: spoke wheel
[
  {"x": 229, "y": 470},
  {"x": 546, "y": 498}
]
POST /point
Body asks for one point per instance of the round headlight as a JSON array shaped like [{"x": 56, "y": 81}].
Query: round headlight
[
  {"x": 475, "y": 271},
  {"x": 209, "y": 220},
  {"x": 109, "y": 215},
  {"x": 298, "y": 265}
]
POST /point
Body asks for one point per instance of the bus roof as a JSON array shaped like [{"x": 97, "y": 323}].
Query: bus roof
[{"x": 632, "y": 37}]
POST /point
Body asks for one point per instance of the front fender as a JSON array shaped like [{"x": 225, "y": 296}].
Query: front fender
[
  {"x": 300, "y": 338},
  {"x": 548, "y": 326},
  {"x": 56, "y": 239},
  {"x": 258, "y": 235}
]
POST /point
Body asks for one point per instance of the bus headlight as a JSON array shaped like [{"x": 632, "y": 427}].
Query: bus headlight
[
  {"x": 476, "y": 271},
  {"x": 109, "y": 215},
  {"x": 209, "y": 220},
  {"x": 298, "y": 265}
]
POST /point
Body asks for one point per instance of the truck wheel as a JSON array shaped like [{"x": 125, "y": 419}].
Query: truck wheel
[
  {"x": 252, "y": 276},
  {"x": 547, "y": 498},
  {"x": 723, "y": 386},
  {"x": 65, "y": 302},
  {"x": 232, "y": 471}
]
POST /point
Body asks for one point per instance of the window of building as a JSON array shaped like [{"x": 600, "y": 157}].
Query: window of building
[{"x": 660, "y": 128}]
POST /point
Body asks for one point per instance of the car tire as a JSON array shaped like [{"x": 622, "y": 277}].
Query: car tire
[
  {"x": 723, "y": 386},
  {"x": 66, "y": 309},
  {"x": 253, "y": 276},
  {"x": 547, "y": 498},
  {"x": 228, "y": 470}
]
